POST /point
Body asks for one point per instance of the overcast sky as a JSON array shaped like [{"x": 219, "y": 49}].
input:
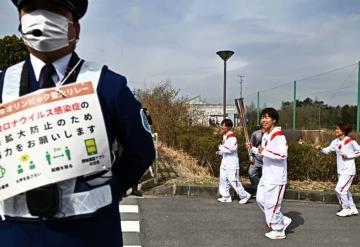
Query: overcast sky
[{"x": 274, "y": 42}]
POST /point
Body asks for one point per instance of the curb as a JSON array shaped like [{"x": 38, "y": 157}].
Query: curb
[{"x": 212, "y": 191}]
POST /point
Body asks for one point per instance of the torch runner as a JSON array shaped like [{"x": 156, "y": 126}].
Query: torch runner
[{"x": 242, "y": 117}]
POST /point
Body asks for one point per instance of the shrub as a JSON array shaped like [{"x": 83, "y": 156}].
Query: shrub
[
  {"x": 202, "y": 142},
  {"x": 304, "y": 161},
  {"x": 307, "y": 163},
  {"x": 168, "y": 110}
]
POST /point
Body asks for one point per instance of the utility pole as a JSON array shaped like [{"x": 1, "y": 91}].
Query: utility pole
[
  {"x": 241, "y": 82},
  {"x": 358, "y": 101}
]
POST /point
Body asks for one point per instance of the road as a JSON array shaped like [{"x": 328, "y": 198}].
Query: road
[{"x": 204, "y": 222}]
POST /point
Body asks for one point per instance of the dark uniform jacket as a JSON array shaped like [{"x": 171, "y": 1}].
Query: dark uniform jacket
[{"x": 121, "y": 112}]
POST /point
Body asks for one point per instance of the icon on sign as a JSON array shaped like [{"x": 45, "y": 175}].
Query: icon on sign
[{"x": 90, "y": 145}]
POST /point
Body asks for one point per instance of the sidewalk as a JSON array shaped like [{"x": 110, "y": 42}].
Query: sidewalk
[{"x": 212, "y": 191}]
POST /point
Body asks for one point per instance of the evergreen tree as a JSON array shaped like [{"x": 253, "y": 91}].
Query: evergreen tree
[{"x": 12, "y": 51}]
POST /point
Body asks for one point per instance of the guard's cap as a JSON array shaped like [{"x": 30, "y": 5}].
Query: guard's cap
[{"x": 78, "y": 7}]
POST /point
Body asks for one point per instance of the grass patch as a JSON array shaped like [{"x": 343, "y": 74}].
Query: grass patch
[{"x": 318, "y": 186}]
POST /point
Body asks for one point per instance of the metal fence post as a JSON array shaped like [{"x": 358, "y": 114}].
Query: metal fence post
[
  {"x": 358, "y": 102},
  {"x": 294, "y": 108},
  {"x": 258, "y": 108}
]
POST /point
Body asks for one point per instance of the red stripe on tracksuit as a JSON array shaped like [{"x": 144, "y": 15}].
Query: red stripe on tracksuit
[
  {"x": 347, "y": 141},
  {"x": 346, "y": 183},
  {"x": 227, "y": 137},
  {"x": 230, "y": 135},
  {"x": 228, "y": 147},
  {"x": 236, "y": 176},
  {"x": 275, "y": 134},
  {"x": 277, "y": 202},
  {"x": 275, "y": 153}
]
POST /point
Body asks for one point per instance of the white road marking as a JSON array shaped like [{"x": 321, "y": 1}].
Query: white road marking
[
  {"x": 129, "y": 208},
  {"x": 130, "y": 226}
]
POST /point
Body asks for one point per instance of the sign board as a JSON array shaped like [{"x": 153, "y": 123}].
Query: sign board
[{"x": 49, "y": 136}]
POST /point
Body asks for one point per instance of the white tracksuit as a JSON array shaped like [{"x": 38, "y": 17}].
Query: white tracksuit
[
  {"x": 272, "y": 184},
  {"x": 229, "y": 168},
  {"x": 345, "y": 167}
]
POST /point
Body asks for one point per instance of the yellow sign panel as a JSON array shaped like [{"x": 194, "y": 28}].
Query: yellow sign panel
[{"x": 91, "y": 146}]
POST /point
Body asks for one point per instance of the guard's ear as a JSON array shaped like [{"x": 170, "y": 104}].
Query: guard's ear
[{"x": 77, "y": 29}]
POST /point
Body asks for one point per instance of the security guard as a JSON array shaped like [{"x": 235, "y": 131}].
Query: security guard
[{"x": 50, "y": 30}]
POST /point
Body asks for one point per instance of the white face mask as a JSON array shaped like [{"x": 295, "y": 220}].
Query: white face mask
[{"x": 45, "y": 31}]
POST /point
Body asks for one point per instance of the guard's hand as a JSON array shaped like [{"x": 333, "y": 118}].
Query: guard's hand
[{"x": 260, "y": 149}]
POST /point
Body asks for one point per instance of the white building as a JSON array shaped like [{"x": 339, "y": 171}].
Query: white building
[{"x": 212, "y": 113}]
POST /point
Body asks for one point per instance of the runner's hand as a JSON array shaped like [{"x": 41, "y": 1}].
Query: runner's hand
[{"x": 248, "y": 145}]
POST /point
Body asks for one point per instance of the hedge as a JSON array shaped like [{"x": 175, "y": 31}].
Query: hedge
[{"x": 304, "y": 161}]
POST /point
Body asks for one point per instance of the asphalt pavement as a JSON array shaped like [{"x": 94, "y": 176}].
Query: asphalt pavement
[{"x": 185, "y": 221}]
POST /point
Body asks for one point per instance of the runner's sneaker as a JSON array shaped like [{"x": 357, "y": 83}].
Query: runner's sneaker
[
  {"x": 287, "y": 222},
  {"x": 245, "y": 199},
  {"x": 354, "y": 211},
  {"x": 275, "y": 235},
  {"x": 225, "y": 199},
  {"x": 345, "y": 212}
]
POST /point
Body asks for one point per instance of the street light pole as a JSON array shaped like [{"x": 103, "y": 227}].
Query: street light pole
[{"x": 225, "y": 55}]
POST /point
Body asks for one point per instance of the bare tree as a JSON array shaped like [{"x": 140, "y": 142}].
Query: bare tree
[{"x": 168, "y": 110}]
